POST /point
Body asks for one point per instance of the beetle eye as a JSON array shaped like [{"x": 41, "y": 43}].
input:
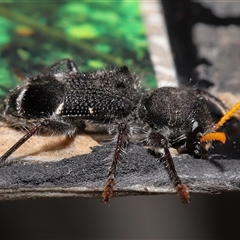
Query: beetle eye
[{"x": 194, "y": 125}]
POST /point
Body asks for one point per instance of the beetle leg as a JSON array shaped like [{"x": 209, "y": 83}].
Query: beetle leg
[
  {"x": 157, "y": 140},
  {"x": 123, "y": 131}
]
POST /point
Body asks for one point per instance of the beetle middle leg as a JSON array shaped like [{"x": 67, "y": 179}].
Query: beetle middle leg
[
  {"x": 123, "y": 131},
  {"x": 68, "y": 63}
]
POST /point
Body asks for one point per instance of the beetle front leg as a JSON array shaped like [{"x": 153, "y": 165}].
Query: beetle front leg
[{"x": 157, "y": 140}]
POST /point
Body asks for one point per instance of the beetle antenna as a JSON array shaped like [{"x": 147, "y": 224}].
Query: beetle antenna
[
  {"x": 227, "y": 116},
  {"x": 220, "y": 136}
]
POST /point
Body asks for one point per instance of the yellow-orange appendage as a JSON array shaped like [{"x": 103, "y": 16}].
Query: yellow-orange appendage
[
  {"x": 219, "y": 136},
  {"x": 227, "y": 116}
]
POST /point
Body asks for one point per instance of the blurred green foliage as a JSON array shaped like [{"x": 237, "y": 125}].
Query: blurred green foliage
[{"x": 96, "y": 34}]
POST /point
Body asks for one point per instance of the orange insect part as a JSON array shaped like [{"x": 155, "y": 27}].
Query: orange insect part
[
  {"x": 219, "y": 136},
  {"x": 227, "y": 116}
]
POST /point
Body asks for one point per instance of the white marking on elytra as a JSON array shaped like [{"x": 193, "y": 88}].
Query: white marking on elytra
[
  {"x": 19, "y": 99},
  {"x": 90, "y": 110},
  {"x": 59, "y": 109}
]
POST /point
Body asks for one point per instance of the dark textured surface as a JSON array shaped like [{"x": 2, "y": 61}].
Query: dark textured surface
[{"x": 139, "y": 173}]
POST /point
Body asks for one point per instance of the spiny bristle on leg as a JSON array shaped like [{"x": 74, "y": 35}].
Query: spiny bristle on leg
[
  {"x": 183, "y": 193},
  {"x": 108, "y": 190}
]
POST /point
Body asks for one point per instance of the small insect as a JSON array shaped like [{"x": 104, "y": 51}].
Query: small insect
[{"x": 63, "y": 101}]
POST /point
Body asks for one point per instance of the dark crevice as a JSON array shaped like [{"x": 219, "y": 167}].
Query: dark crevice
[{"x": 181, "y": 17}]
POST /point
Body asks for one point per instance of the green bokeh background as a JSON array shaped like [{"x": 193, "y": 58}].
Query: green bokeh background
[{"x": 95, "y": 34}]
